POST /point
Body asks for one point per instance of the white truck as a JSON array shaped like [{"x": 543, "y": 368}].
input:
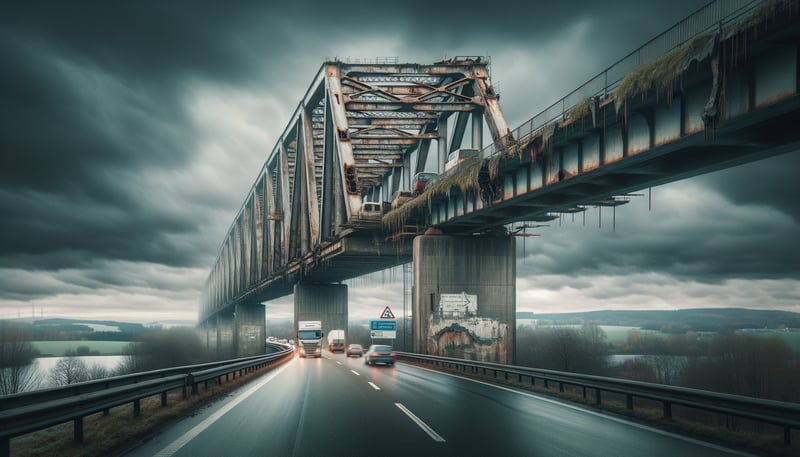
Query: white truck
[
  {"x": 309, "y": 338},
  {"x": 336, "y": 341}
]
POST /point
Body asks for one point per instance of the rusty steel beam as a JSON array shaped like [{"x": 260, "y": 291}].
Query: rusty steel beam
[
  {"x": 311, "y": 180},
  {"x": 493, "y": 114},
  {"x": 379, "y": 141},
  {"x": 348, "y": 172},
  {"x": 450, "y": 106}
]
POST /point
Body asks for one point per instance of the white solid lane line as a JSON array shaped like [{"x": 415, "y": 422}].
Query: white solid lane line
[
  {"x": 355, "y": 372},
  {"x": 374, "y": 386},
  {"x": 435, "y": 436}
]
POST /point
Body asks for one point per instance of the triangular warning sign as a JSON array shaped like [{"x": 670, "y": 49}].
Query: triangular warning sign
[{"x": 387, "y": 313}]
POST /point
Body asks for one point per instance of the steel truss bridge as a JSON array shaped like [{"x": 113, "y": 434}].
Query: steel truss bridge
[{"x": 717, "y": 90}]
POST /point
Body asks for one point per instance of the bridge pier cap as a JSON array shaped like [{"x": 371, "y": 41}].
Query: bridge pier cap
[{"x": 465, "y": 297}]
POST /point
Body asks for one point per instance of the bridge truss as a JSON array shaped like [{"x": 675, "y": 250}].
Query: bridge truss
[{"x": 360, "y": 132}]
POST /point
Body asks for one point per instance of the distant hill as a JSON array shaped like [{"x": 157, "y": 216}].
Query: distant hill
[
  {"x": 60, "y": 329},
  {"x": 697, "y": 319}
]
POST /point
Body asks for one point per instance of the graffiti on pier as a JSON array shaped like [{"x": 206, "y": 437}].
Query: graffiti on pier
[{"x": 456, "y": 329}]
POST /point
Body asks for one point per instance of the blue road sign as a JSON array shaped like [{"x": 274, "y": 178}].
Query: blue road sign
[{"x": 382, "y": 325}]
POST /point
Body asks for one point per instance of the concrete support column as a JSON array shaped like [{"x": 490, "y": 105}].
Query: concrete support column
[
  {"x": 321, "y": 302},
  {"x": 210, "y": 329},
  {"x": 251, "y": 329},
  {"x": 225, "y": 340},
  {"x": 465, "y": 297}
]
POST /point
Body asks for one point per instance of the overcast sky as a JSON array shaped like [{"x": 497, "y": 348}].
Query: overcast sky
[{"x": 130, "y": 133}]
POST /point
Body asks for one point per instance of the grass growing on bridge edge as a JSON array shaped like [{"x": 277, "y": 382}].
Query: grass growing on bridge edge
[
  {"x": 119, "y": 432},
  {"x": 650, "y": 415}
]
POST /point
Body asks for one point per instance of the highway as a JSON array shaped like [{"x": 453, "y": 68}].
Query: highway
[{"x": 335, "y": 406}]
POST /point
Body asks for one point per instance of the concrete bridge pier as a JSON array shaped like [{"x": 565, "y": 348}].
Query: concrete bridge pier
[
  {"x": 465, "y": 297},
  {"x": 239, "y": 333},
  {"x": 219, "y": 335},
  {"x": 250, "y": 330},
  {"x": 321, "y": 302}
]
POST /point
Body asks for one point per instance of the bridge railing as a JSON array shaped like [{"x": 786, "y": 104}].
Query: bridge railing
[
  {"x": 32, "y": 411},
  {"x": 706, "y": 19},
  {"x": 782, "y": 414}
]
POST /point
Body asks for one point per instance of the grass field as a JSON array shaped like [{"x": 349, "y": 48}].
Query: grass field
[{"x": 57, "y": 348}]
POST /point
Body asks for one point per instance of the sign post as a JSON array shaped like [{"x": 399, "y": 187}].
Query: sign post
[{"x": 386, "y": 327}]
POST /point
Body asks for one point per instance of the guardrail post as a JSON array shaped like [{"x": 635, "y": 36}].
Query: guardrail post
[
  {"x": 597, "y": 398},
  {"x": 5, "y": 447},
  {"x": 164, "y": 398},
  {"x": 561, "y": 387},
  {"x": 629, "y": 401},
  {"x": 584, "y": 392},
  {"x": 667, "y": 410},
  {"x": 787, "y": 436},
  {"x": 137, "y": 407},
  {"x": 77, "y": 429},
  {"x": 546, "y": 383}
]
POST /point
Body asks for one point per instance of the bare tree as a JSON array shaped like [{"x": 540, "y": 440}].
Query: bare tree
[
  {"x": 17, "y": 371},
  {"x": 69, "y": 370}
]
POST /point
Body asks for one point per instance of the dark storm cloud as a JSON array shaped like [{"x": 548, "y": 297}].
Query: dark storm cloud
[
  {"x": 92, "y": 99},
  {"x": 707, "y": 229}
]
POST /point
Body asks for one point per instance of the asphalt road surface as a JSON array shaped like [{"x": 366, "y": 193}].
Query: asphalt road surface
[{"x": 337, "y": 406}]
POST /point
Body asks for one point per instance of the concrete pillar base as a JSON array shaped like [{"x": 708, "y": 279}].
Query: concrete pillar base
[{"x": 465, "y": 297}]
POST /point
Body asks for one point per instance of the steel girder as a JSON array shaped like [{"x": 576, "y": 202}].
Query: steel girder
[{"x": 359, "y": 132}]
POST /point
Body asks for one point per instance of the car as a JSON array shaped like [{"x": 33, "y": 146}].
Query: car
[
  {"x": 369, "y": 214},
  {"x": 460, "y": 155},
  {"x": 421, "y": 181},
  {"x": 400, "y": 198},
  {"x": 355, "y": 350},
  {"x": 380, "y": 354}
]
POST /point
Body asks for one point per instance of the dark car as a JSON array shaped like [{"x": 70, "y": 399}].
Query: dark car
[
  {"x": 355, "y": 350},
  {"x": 379, "y": 353}
]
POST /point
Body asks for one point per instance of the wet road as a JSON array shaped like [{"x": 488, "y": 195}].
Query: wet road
[{"x": 335, "y": 406}]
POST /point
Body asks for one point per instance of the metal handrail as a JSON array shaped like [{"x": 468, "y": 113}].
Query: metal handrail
[
  {"x": 707, "y": 18},
  {"x": 784, "y": 414}
]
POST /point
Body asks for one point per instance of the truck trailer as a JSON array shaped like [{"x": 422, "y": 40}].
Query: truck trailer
[{"x": 336, "y": 341}]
